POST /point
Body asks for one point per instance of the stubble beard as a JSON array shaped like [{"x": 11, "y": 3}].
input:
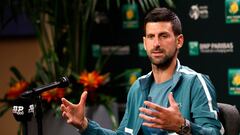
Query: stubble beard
[{"x": 164, "y": 61}]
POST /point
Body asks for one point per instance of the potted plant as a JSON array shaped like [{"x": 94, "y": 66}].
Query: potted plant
[{"x": 62, "y": 29}]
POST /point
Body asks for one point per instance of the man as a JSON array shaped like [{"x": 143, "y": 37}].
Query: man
[{"x": 170, "y": 99}]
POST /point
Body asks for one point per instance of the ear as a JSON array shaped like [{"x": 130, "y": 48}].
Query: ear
[
  {"x": 144, "y": 38},
  {"x": 180, "y": 40}
]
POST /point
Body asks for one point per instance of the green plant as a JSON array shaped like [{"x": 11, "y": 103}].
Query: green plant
[{"x": 62, "y": 28}]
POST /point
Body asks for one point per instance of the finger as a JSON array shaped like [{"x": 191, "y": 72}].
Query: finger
[
  {"x": 172, "y": 100},
  {"x": 63, "y": 108},
  {"x": 69, "y": 121},
  {"x": 154, "y": 106},
  {"x": 83, "y": 98},
  {"x": 152, "y": 125},
  {"x": 150, "y": 119},
  {"x": 65, "y": 102},
  {"x": 65, "y": 116},
  {"x": 149, "y": 112}
]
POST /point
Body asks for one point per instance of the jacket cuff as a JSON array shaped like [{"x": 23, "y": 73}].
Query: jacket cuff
[{"x": 90, "y": 130}]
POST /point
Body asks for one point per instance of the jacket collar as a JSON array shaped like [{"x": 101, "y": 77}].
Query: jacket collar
[{"x": 146, "y": 80}]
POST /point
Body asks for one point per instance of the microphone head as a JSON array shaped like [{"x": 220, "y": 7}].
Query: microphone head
[{"x": 64, "y": 82}]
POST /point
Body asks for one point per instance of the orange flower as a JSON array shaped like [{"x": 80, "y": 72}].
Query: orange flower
[
  {"x": 92, "y": 80},
  {"x": 17, "y": 89},
  {"x": 47, "y": 96},
  {"x": 53, "y": 94},
  {"x": 60, "y": 93}
]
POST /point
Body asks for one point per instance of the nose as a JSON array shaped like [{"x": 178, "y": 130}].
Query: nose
[{"x": 156, "y": 42}]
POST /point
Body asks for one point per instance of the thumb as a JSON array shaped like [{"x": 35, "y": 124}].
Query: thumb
[
  {"x": 83, "y": 98},
  {"x": 172, "y": 100}
]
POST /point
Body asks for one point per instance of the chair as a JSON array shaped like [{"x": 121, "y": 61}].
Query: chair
[{"x": 230, "y": 118}]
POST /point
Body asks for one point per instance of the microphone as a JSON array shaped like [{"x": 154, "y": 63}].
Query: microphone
[
  {"x": 62, "y": 83},
  {"x": 23, "y": 109}
]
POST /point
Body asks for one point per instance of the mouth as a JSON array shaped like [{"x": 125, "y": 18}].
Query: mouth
[{"x": 157, "y": 53}]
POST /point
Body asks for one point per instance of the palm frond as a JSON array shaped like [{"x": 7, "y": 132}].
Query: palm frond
[{"x": 17, "y": 73}]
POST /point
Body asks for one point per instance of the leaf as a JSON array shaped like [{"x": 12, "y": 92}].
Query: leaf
[
  {"x": 146, "y": 4},
  {"x": 156, "y": 3},
  {"x": 41, "y": 73},
  {"x": 19, "y": 129},
  {"x": 101, "y": 62},
  {"x": 170, "y": 3},
  {"x": 12, "y": 81},
  {"x": 142, "y": 5},
  {"x": 118, "y": 3},
  {"x": 3, "y": 109},
  {"x": 123, "y": 74},
  {"x": 152, "y": 3},
  {"x": 16, "y": 72}
]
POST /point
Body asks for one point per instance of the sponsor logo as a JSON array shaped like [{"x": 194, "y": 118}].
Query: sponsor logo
[
  {"x": 232, "y": 11},
  {"x": 196, "y": 48},
  {"x": 234, "y": 81},
  {"x": 98, "y": 50},
  {"x": 193, "y": 48},
  {"x": 130, "y": 16},
  {"x": 198, "y": 12},
  {"x": 31, "y": 109},
  {"x": 19, "y": 110}
]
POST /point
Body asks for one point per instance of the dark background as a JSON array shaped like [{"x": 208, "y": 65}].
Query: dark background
[{"x": 210, "y": 30}]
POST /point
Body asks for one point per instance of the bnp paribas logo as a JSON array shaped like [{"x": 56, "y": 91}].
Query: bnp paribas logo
[
  {"x": 193, "y": 47},
  {"x": 234, "y": 81}
]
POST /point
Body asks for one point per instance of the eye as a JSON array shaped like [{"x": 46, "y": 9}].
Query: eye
[
  {"x": 163, "y": 36},
  {"x": 150, "y": 36}
]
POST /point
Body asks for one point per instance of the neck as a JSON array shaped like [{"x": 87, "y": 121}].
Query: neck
[{"x": 163, "y": 74}]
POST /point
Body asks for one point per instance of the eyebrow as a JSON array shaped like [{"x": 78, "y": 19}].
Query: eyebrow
[{"x": 159, "y": 34}]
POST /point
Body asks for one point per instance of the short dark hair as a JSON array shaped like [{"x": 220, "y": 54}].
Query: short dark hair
[{"x": 164, "y": 15}]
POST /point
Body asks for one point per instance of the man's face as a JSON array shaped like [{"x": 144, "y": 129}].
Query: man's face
[{"x": 161, "y": 44}]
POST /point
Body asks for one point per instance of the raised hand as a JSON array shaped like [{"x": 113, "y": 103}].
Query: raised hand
[
  {"x": 75, "y": 113},
  {"x": 156, "y": 116}
]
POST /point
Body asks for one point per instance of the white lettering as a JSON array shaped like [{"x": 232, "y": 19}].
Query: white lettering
[
  {"x": 129, "y": 131},
  {"x": 217, "y": 47}
]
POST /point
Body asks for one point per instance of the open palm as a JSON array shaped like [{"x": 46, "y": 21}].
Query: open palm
[{"x": 75, "y": 113}]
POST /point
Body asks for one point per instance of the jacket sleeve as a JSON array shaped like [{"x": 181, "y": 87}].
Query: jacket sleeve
[{"x": 204, "y": 108}]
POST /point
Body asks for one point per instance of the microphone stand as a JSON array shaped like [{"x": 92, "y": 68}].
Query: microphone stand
[
  {"x": 36, "y": 98},
  {"x": 25, "y": 127},
  {"x": 39, "y": 114},
  {"x": 38, "y": 109}
]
